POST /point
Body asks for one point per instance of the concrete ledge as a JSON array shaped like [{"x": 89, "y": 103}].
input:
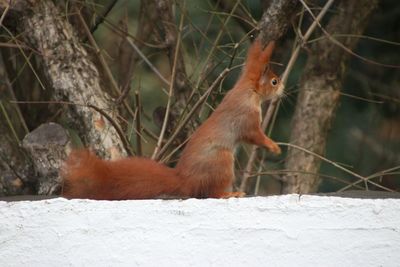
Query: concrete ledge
[{"x": 261, "y": 231}]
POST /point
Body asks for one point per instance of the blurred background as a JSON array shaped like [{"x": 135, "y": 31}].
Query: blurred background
[{"x": 364, "y": 136}]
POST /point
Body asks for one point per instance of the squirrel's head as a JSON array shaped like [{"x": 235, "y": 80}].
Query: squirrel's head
[
  {"x": 257, "y": 70},
  {"x": 269, "y": 85}
]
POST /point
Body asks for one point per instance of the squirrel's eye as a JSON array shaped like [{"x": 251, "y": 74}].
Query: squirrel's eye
[{"x": 274, "y": 81}]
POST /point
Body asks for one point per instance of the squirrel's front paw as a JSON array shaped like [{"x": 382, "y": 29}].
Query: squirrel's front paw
[{"x": 274, "y": 148}]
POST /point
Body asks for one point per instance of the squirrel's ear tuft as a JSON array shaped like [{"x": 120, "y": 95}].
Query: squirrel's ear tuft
[
  {"x": 266, "y": 53},
  {"x": 253, "y": 54},
  {"x": 257, "y": 58}
]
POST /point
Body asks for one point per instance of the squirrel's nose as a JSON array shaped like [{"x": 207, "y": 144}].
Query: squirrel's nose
[{"x": 280, "y": 89}]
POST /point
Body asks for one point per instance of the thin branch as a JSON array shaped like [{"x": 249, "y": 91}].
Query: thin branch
[
  {"x": 9, "y": 45},
  {"x": 107, "y": 69},
  {"x": 170, "y": 91},
  {"x": 336, "y": 42},
  {"x": 192, "y": 111},
  {"x": 99, "y": 54},
  {"x": 27, "y": 58},
  {"x": 9, "y": 122},
  {"x": 375, "y": 175},
  {"x": 219, "y": 35},
  {"x": 362, "y": 178},
  {"x": 277, "y": 172},
  {"x": 358, "y": 36},
  {"x": 4, "y": 14},
  {"x": 119, "y": 131},
  {"x": 138, "y": 124},
  {"x": 151, "y": 66},
  {"x": 116, "y": 127},
  {"x": 100, "y": 18},
  {"x": 244, "y": 20}
]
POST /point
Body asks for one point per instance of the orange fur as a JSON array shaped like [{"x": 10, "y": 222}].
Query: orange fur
[
  {"x": 87, "y": 176},
  {"x": 206, "y": 166}
]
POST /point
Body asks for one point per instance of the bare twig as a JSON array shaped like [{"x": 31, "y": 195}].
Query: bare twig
[
  {"x": 138, "y": 124},
  {"x": 100, "y": 18},
  {"x": 99, "y": 110},
  {"x": 170, "y": 91},
  {"x": 128, "y": 55},
  {"x": 192, "y": 111},
  {"x": 336, "y": 42},
  {"x": 9, "y": 122},
  {"x": 27, "y": 58},
  {"x": 358, "y": 36},
  {"x": 10, "y": 45},
  {"x": 99, "y": 54},
  {"x": 245, "y": 21},
  {"x": 362, "y": 178},
  {"x": 219, "y": 35},
  {"x": 108, "y": 71},
  {"x": 151, "y": 66},
  {"x": 116, "y": 127},
  {"x": 375, "y": 175},
  {"x": 4, "y": 14},
  {"x": 276, "y": 174}
]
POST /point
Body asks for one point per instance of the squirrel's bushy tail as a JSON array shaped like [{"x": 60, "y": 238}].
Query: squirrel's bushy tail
[{"x": 87, "y": 176}]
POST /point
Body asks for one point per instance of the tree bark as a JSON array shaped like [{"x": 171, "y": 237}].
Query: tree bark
[
  {"x": 319, "y": 96},
  {"x": 73, "y": 76},
  {"x": 48, "y": 145},
  {"x": 16, "y": 172},
  {"x": 276, "y": 19}
]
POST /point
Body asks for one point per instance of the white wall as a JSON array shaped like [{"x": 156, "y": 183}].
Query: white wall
[{"x": 273, "y": 231}]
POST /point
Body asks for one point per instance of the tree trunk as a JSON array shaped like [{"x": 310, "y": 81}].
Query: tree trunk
[
  {"x": 276, "y": 19},
  {"x": 319, "y": 96},
  {"x": 73, "y": 76}
]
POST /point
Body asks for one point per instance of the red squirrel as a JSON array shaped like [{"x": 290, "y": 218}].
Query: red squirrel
[{"x": 206, "y": 166}]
